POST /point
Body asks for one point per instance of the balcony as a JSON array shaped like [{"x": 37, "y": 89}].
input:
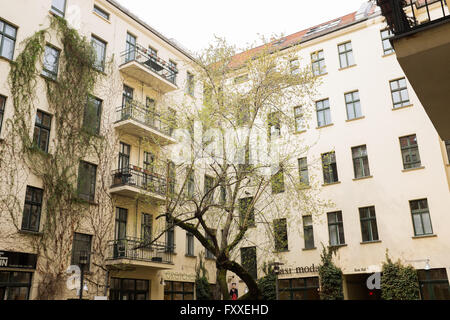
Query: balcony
[
  {"x": 133, "y": 182},
  {"x": 137, "y": 119},
  {"x": 422, "y": 44},
  {"x": 140, "y": 64},
  {"x": 138, "y": 252}
]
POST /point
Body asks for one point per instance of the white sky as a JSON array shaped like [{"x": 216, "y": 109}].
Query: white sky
[{"x": 193, "y": 23}]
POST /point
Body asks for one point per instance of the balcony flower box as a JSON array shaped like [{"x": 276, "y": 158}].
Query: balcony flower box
[{"x": 136, "y": 168}]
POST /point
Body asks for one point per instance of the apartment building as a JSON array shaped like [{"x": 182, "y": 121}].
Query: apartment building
[
  {"x": 139, "y": 68},
  {"x": 375, "y": 154}
]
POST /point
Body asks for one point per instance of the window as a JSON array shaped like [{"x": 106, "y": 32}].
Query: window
[
  {"x": 92, "y": 115},
  {"x": 172, "y": 77},
  {"x": 86, "y": 181},
  {"x": 208, "y": 185},
  {"x": 153, "y": 52},
  {"x": 81, "y": 246},
  {"x": 387, "y": 46},
  {"x": 421, "y": 217},
  {"x": 2, "y": 110},
  {"x": 100, "y": 53},
  {"x": 246, "y": 211},
  {"x": 127, "y": 99},
  {"x": 280, "y": 234},
  {"x": 277, "y": 181},
  {"x": 101, "y": 12},
  {"x": 209, "y": 254},
  {"x": 32, "y": 209},
  {"x": 368, "y": 220},
  {"x": 178, "y": 290},
  {"x": 8, "y": 35},
  {"x": 323, "y": 27},
  {"x": 353, "y": 105},
  {"x": 433, "y": 284},
  {"x": 190, "y": 84},
  {"x": 248, "y": 261},
  {"x": 447, "y": 147},
  {"x": 300, "y": 124},
  {"x": 120, "y": 232},
  {"x": 130, "y": 47},
  {"x": 274, "y": 125},
  {"x": 335, "y": 228},
  {"x": 346, "y": 54},
  {"x": 299, "y": 289},
  {"x": 303, "y": 171},
  {"x": 51, "y": 58},
  {"x": 191, "y": 184},
  {"x": 410, "y": 152},
  {"x": 15, "y": 285},
  {"x": 330, "y": 174},
  {"x": 360, "y": 162},
  {"x": 129, "y": 289},
  {"x": 189, "y": 244},
  {"x": 318, "y": 63},
  {"x": 308, "y": 233},
  {"x": 399, "y": 92},
  {"x": 323, "y": 113},
  {"x": 124, "y": 156},
  {"x": 149, "y": 161},
  {"x": 146, "y": 227},
  {"x": 295, "y": 66},
  {"x": 41, "y": 135},
  {"x": 58, "y": 7}
]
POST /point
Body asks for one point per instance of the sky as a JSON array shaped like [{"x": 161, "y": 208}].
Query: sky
[{"x": 193, "y": 23}]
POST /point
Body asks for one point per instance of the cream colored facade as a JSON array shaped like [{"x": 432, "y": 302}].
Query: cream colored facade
[{"x": 389, "y": 188}]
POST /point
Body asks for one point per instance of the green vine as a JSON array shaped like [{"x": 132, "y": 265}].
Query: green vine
[{"x": 67, "y": 97}]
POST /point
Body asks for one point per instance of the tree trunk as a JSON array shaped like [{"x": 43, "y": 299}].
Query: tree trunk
[{"x": 222, "y": 285}]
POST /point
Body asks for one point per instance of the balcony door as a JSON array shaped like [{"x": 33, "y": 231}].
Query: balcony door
[
  {"x": 127, "y": 102},
  {"x": 120, "y": 236},
  {"x": 150, "y": 112},
  {"x": 130, "y": 53}
]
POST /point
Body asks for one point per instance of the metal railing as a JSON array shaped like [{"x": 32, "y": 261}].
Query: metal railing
[
  {"x": 151, "y": 61},
  {"x": 140, "y": 250},
  {"x": 139, "y": 178},
  {"x": 139, "y": 112},
  {"x": 401, "y": 15}
]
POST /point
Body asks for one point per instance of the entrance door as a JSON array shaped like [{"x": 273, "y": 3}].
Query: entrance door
[{"x": 357, "y": 288}]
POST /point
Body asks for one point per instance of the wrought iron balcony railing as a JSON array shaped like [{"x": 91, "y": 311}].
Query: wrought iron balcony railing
[
  {"x": 135, "y": 110},
  {"x": 151, "y": 61},
  {"x": 140, "y": 250},
  {"x": 140, "y": 178},
  {"x": 401, "y": 15}
]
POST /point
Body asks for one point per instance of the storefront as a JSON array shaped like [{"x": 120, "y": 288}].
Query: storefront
[
  {"x": 129, "y": 289},
  {"x": 16, "y": 275},
  {"x": 299, "y": 289}
]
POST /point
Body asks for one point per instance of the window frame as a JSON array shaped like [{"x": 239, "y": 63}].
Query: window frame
[
  {"x": 281, "y": 239},
  {"x": 171, "y": 291},
  {"x": 346, "y": 53},
  {"x": 243, "y": 208},
  {"x": 299, "y": 116},
  {"x": 146, "y": 226},
  {"x": 277, "y": 181},
  {"x": 57, "y": 11},
  {"x": 316, "y": 61},
  {"x": 302, "y": 167},
  {"x": 46, "y": 73},
  {"x": 327, "y": 160},
  {"x": 120, "y": 223},
  {"x": 190, "y": 248},
  {"x": 74, "y": 259},
  {"x": 190, "y": 83},
  {"x": 360, "y": 160},
  {"x": 99, "y": 105},
  {"x": 92, "y": 183},
  {"x": 130, "y": 47},
  {"x": 308, "y": 229},
  {"x": 386, "y": 38},
  {"x": 370, "y": 220},
  {"x": 338, "y": 225},
  {"x": 421, "y": 212},
  {"x": 41, "y": 127},
  {"x": 411, "y": 164},
  {"x": 354, "y": 103},
  {"x": 250, "y": 266},
  {"x": 31, "y": 203},
  {"x": 324, "y": 109},
  {"x": 13, "y": 39},
  {"x": 399, "y": 89},
  {"x": 98, "y": 41},
  {"x": 101, "y": 12}
]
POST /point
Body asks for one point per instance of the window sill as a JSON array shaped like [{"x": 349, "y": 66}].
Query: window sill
[
  {"x": 362, "y": 178},
  {"x": 325, "y": 126},
  {"x": 300, "y": 132},
  {"x": 369, "y": 242},
  {"x": 281, "y": 251},
  {"x": 32, "y": 233},
  {"x": 338, "y": 245},
  {"x": 354, "y": 119},
  {"x": 321, "y": 75},
  {"x": 190, "y": 256},
  {"x": 106, "y": 20},
  {"x": 425, "y": 236},
  {"x": 309, "y": 249},
  {"x": 404, "y": 107},
  {"x": 6, "y": 59},
  {"x": 47, "y": 78},
  {"x": 330, "y": 184},
  {"x": 56, "y": 14},
  {"x": 413, "y": 169},
  {"x": 348, "y": 67},
  {"x": 388, "y": 54}
]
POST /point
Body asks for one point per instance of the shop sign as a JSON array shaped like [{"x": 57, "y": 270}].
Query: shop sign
[
  {"x": 9, "y": 259},
  {"x": 179, "y": 276},
  {"x": 311, "y": 269}
]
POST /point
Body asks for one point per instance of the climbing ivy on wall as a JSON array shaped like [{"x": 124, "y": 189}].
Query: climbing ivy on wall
[
  {"x": 330, "y": 277},
  {"x": 63, "y": 212}
]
